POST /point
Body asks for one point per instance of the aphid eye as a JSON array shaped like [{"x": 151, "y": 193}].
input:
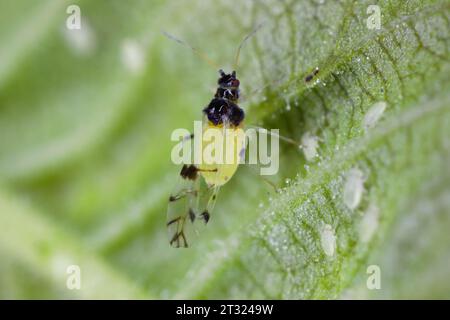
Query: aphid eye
[{"x": 235, "y": 83}]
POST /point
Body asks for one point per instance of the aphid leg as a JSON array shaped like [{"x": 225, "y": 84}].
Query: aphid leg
[
  {"x": 190, "y": 172},
  {"x": 257, "y": 91},
  {"x": 184, "y": 240},
  {"x": 207, "y": 170},
  {"x": 282, "y": 138},
  {"x": 179, "y": 235},
  {"x": 181, "y": 194},
  {"x": 205, "y": 215},
  {"x": 182, "y": 208},
  {"x": 265, "y": 180}
]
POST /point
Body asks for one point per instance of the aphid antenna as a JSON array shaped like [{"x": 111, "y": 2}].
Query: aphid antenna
[
  {"x": 248, "y": 36},
  {"x": 282, "y": 138},
  {"x": 272, "y": 83},
  {"x": 202, "y": 55}
]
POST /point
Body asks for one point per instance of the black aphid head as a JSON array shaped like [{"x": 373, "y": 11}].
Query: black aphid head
[
  {"x": 228, "y": 80},
  {"x": 228, "y": 86}
]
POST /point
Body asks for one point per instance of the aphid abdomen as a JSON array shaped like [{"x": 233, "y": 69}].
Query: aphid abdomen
[
  {"x": 218, "y": 170},
  {"x": 223, "y": 174}
]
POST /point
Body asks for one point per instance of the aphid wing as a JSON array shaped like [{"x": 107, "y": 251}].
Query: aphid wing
[
  {"x": 189, "y": 209},
  {"x": 181, "y": 212},
  {"x": 190, "y": 204}
]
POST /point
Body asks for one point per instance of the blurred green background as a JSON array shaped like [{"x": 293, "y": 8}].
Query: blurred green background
[{"x": 85, "y": 171}]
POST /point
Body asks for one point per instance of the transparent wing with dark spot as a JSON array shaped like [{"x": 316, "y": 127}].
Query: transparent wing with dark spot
[
  {"x": 189, "y": 209},
  {"x": 182, "y": 209},
  {"x": 190, "y": 206}
]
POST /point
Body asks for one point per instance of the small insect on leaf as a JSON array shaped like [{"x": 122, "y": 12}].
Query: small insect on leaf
[
  {"x": 311, "y": 76},
  {"x": 193, "y": 199}
]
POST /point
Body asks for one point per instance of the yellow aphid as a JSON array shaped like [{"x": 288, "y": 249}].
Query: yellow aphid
[
  {"x": 222, "y": 148},
  {"x": 216, "y": 161}
]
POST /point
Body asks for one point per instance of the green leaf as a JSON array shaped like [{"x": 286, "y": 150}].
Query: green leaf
[{"x": 85, "y": 149}]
